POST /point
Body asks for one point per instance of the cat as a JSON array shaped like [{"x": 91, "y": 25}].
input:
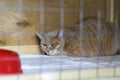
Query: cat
[{"x": 86, "y": 41}]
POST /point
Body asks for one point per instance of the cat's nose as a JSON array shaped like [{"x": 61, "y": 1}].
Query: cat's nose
[{"x": 47, "y": 51}]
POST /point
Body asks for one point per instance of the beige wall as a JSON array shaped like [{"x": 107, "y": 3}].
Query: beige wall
[{"x": 19, "y": 27}]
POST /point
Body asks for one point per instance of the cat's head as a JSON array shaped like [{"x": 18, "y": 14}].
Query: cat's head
[{"x": 50, "y": 43}]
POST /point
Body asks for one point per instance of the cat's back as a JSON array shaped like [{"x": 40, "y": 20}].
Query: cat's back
[
  {"x": 92, "y": 24},
  {"x": 97, "y": 37}
]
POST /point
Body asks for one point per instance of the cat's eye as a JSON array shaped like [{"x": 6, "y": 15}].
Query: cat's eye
[
  {"x": 53, "y": 44},
  {"x": 44, "y": 44}
]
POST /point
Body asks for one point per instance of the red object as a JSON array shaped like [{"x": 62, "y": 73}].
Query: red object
[{"x": 9, "y": 62}]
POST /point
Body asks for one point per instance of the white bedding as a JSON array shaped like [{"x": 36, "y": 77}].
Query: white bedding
[{"x": 41, "y": 63}]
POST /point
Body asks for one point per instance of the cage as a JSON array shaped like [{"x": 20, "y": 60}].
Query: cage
[{"x": 21, "y": 19}]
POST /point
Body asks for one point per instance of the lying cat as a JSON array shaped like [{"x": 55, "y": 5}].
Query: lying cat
[{"x": 90, "y": 42}]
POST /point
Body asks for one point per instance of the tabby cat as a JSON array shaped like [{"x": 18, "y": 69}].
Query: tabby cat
[{"x": 90, "y": 40}]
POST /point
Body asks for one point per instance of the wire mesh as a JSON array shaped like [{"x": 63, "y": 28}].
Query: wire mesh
[{"x": 63, "y": 67}]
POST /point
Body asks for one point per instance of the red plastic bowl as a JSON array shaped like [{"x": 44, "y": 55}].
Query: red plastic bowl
[{"x": 9, "y": 62}]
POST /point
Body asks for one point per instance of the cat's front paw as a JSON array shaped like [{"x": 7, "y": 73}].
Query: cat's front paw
[{"x": 53, "y": 52}]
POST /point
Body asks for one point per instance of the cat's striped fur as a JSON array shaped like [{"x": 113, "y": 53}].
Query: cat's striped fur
[{"x": 94, "y": 40}]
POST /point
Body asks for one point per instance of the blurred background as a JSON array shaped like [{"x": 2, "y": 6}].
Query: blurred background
[{"x": 21, "y": 19}]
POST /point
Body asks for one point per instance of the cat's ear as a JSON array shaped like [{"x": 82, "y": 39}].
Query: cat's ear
[
  {"x": 60, "y": 33},
  {"x": 40, "y": 35},
  {"x": 57, "y": 35}
]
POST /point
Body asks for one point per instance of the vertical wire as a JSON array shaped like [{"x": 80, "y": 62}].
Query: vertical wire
[
  {"x": 61, "y": 33},
  {"x": 19, "y": 31},
  {"x": 61, "y": 22},
  {"x": 81, "y": 24},
  {"x": 42, "y": 16},
  {"x": 20, "y": 8},
  {"x": 98, "y": 35},
  {"x": 109, "y": 13},
  {"x": 81, "y": 33},
  {"x": 111, "y": 10},
  {"x": 116, "y": 33},
  {"x": 41, "y": 30}
]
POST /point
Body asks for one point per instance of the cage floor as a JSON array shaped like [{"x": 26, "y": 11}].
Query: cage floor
[
  {"x": 39, "y": 67},
  {"x": 41, "y": 63}
]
